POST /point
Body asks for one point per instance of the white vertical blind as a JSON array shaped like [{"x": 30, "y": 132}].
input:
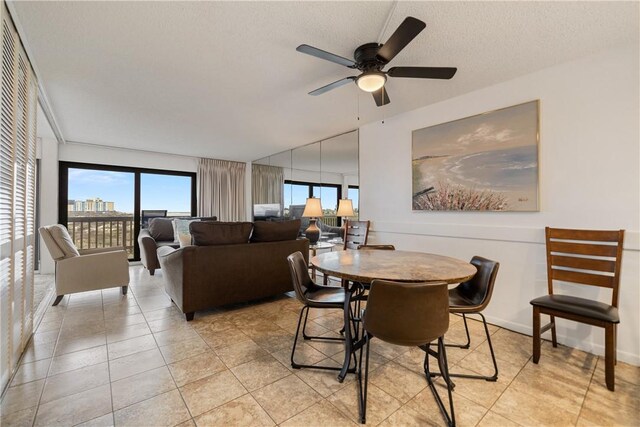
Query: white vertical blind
[{"x": 18, "y": 101}]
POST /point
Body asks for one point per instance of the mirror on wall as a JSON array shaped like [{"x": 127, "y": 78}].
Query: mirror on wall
[{"x": 327, "y": 169}]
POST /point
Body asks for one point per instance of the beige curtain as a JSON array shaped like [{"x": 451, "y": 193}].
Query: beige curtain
[
  {"x": 267, "y": 184},
  {"x": 221, "y": 189}
]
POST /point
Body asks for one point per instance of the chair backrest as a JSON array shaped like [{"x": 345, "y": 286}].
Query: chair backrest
[
  {"x": 377, "y": 247},
  {"x": 586, "y": 257},
  {"x": 407, "y": 314},
  {"x": 147, "y": 214},
  {"x": 299, "y": 275},
  {"x": 58, "y": 241},
  {"x": 479, "y": 288},
  {"x": 355, "y": 234}
]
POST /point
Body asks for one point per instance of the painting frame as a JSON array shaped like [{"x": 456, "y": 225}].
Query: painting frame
[{"x": 512, "y": 169}]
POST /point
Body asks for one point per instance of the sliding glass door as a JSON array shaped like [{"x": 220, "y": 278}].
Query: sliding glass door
[{"x": 102, "y": 205}]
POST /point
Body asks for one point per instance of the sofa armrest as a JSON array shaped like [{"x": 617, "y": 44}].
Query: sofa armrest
[
  {"x": 171, "y": 262},
  {"x": 93, "y": 271},
  {"x": 148, "y": 249}
]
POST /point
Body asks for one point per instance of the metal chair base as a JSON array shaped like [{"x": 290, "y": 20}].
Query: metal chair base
[{"x": 490, "y": 378}]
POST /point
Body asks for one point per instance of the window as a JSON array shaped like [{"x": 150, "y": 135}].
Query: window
[
  {"x": 297, "y": 192},
  {"x": 353, "y": 193},
  {"x": 101, "y": 205}
]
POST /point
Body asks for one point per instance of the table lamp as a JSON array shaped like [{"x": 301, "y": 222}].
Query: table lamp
[
  {"x": 345, "y": 210},
  {"x": 312, "y": 210}
]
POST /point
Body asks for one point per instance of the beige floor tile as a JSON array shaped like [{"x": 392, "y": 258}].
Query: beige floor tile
[
  {"x": 526, "y": 409},
  {"x": 481, "y": 363},
  {"x": 312, "y": 327},
  {"x": 78, "y": 359},
  {"x": 125, "y": 332},
  {"x": 31, "y": 371},
  {"x": 166, "y": 409},
  {"x": 45, "y": 337},
  {"x": 76, "y": 408},
  {"x": 491, "y": 419},
  {"x": 135, "y": 364},
  {"x": 53, "y": 325},
  {"x": 305, "y": 355},
  {"x": 484, "y": 393},
  {"x": 626, "y": 393},
  {"x": 328, "y": 348},
  {"x": 137, "y": 388},
  {"x": 321, "y": 414},
  {"x": 398, "y": 381},
  {"x": 175, "y": 335},
  {"x": 163, "y": 313},
  {"x": 76, "y": 381},
  {"x": 23, "y": 418},
  {"x": 260, "y": 372},
  {"x": 379, "y": 404},
  {"x": 375, "y": 360},
  {"x": 606, "y": 412},
  {"x": 21, "y": 397},
  {"x": 285, "y": 398},
  {"x": 183, "y": 350},
  {"x": 224, "y": 338},
  {"x": 274, "y": 341},
  {"x": 467, "y": 412},
  {"x": 195, "y": 368},
  {"x": 510, "y": 346},
  {"x": 134, "y": 319},
  {"x": 188, "y": 423},
  {"x": 210, "y": 392},
  {"x": 243, "y": 411},
  {"x": 170, "y": 322},
  {"x": 76, "y": 344},
  {"x": 331, "y": 322},
  {"x": 34, "y": 352},
  {"x": 237, "y": 354},
  {"x": 131, "y": 346},
  {"x": 389, "y": 351},
  {"x": 103, "y": 421},
  {"x": 323, "y": 381}
]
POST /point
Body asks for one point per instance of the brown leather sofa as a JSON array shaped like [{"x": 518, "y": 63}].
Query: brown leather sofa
[
  {"x": 214, "y": 272},
  {"x": 158, "y": 234}
]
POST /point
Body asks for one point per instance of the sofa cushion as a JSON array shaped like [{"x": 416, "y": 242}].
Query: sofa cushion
[
  {"x": 209, "y": 233},
  {"x": 161, "y": 229},
  {"x": 272, "y": 231}
]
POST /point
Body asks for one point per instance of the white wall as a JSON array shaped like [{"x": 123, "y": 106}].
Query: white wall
[
  {"x": 589, "y": 178},
  {"x": 47, "y": 152}
]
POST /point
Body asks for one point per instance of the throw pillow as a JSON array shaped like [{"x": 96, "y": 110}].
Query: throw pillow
[
  {"x": 184, "y": 239},
  {"x": 207, "y": 233},
  {"x": 271, "y": 231},
  {"x": 161, "y": 229}
]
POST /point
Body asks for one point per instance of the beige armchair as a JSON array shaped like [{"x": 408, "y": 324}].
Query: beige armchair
[{"x": 86, "y": 270}]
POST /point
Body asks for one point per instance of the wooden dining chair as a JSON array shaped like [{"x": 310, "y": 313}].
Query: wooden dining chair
[
  {"x": 356, "y": 233},
  {"x": 585, "y": 257},
  {"x": 407, "y": 314}
]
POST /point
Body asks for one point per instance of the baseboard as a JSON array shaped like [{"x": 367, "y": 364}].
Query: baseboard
[{"x": 589, "y": 347}]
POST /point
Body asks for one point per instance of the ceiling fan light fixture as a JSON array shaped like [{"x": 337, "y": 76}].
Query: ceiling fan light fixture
[{"x": 371, "y": 81}]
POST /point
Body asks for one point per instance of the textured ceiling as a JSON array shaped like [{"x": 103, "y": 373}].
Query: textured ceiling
[{"x": 224, "y": 80}]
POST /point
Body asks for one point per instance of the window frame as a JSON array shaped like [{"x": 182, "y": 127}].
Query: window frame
[
  {"x": 310, "y": 186},
  {"x": 63, "y": 191}
]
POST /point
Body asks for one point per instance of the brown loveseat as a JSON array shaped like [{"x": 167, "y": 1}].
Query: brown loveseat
[
  {"x": 158, "y": 234},
  {"x": 225, "y": 267}
]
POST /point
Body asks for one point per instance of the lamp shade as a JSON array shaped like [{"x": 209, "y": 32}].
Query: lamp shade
[
  {"x": 345, "y": 208},
  {"x": 313, "y": 208}
]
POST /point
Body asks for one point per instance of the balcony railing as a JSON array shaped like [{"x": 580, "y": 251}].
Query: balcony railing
[{"x": 90, "y": 232}]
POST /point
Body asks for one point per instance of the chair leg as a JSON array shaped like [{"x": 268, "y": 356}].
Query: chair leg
[
  {"x": 189, "y": 316},
  {"x": 362, "y": 388},
  {"x": 536, "y": 334},
  {"x": 466, "y": 329},
  {"x": 615, "y": 344},
  {"x": 58, "y": 299},
  {"x": 152, "y": 271},
  {"x": 554, "y": 337},
  {"x": 441, "y": 357},
  {"x": 609, "y": 355},
  {"x": 493, "y": 377},
  {"x": 124, "y": 290}
]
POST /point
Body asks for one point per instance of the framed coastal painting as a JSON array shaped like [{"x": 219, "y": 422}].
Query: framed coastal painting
[{"x": 487, "y": 162}]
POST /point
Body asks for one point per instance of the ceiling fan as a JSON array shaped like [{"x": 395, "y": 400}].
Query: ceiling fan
[{"x": 371, "y": 58}]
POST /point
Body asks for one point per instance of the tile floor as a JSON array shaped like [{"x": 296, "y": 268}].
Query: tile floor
[{"x": 101, "y": 359}]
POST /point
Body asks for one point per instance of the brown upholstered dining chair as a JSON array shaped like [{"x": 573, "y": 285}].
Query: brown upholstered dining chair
[
  {"x": 377, "y": 247},
  {"x": 472, "y": 297},
  {"x": 586, "y": 257},
  {"x": 407, "y": 314},
  {"x": 312, "y": 295}
]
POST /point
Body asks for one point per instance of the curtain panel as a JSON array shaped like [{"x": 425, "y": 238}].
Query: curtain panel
[
  {"x": 267, "y": 184},
  {"x": 221, "y": 189}
]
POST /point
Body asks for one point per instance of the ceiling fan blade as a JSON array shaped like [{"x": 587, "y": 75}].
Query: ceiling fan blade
[
  {"x": 327, "y": 56},
  {"x": 423, "y": 72},
  {"x": 331, "y": 86},
  {"x": 406, "y": 32},
  {"x": 381, "y": 97}
]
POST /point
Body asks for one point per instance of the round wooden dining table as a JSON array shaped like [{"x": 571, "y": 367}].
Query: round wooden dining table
[{"x": 365, "y": 266}]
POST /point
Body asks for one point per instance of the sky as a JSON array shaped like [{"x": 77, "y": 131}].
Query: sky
[{"x": 169, "y": 192}]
